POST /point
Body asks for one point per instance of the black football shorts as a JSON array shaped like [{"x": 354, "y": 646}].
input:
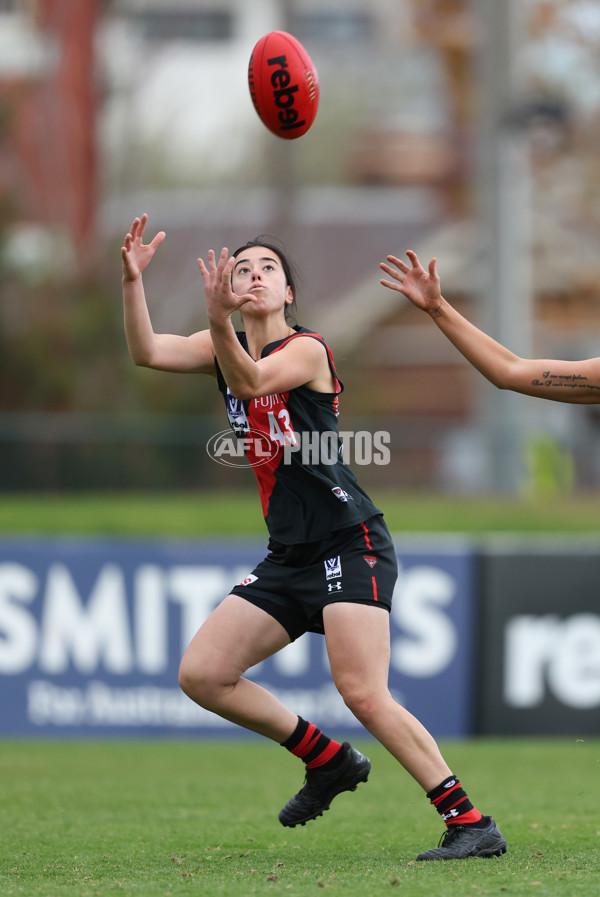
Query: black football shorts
[{"x": 295, "y": 582}]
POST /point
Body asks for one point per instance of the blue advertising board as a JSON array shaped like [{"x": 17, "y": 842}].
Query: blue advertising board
[{"x": 91, "y": 633}]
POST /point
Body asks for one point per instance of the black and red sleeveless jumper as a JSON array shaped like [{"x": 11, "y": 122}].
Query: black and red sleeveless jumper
[{"x": 305, "y": 494}]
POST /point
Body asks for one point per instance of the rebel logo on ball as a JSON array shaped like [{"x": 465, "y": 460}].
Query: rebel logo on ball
[
  {"x": 283, "y": 94},
  {"x": 284, "y": 85}
]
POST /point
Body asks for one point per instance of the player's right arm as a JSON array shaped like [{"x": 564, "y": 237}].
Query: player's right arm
[
  {"x": 162, "y": 351},
  {"x": 577, "y": 382}
]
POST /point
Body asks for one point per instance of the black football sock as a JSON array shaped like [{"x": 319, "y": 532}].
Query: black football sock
[
  {"x": 453, "y": 804},
  {"x": 311, "y": 745}
]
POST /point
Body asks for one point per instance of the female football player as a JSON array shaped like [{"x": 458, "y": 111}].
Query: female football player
[{"x": 331, "y": 565}]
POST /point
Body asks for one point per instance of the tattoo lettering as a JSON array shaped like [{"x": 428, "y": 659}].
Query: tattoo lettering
[
  {"x": 548, "y": 375},
  {"x": 565, "y": 381}
]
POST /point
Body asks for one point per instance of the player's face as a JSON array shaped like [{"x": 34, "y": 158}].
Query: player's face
[{"x": 259, "y": 272}]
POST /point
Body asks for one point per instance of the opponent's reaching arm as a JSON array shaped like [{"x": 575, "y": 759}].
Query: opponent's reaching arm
[
  {"x": 562, "y": 381},
  {"x": 163, "y": 351}
]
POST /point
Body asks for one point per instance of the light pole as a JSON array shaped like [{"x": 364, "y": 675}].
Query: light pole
[{"x": 505, "y": 212}]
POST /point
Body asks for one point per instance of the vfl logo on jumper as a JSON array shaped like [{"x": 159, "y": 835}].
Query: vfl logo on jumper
[
  {"x": 341, "y": 494},
  {"x": 236, "y": 414},
  {"x": 333, "y": 568},
  {"x": 250, "y": 578}
]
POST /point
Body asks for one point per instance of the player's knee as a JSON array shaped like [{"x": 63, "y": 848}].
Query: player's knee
[
  {"x": 364, "y": 703},
  {"x": 198, "y": 680},
  {"x": 187, "y": 676}
]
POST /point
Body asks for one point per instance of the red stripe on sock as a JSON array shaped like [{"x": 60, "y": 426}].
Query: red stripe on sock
[
  {"x": 305, "y": 745},
  {"x": 329, "y": 752},
  {"x": 470, "y": 816},
  {"x": 443, "y": 796}
]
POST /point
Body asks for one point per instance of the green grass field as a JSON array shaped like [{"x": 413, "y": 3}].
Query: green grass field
[
  {"x": 180, "y": 818},
  {"x": 238, "y": 513}
]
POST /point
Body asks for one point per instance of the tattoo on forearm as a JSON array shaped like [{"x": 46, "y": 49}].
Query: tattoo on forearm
[{"x": 566, "y": 381}]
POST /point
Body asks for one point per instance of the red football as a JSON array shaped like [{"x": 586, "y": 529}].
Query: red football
[{"x": 284, "y": 85}]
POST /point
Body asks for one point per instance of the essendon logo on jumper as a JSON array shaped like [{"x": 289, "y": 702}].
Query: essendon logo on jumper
[
  {"x": 371, "y": 561},
  {"x": 283, "y": 95}
]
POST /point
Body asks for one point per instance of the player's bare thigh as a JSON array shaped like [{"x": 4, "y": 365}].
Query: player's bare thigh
[
  {"x": 236, "y": 636},
  {"x": 358, "y": 646}
]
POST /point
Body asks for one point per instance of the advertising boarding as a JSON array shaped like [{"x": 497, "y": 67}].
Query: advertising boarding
[
  {"x": 540, "y": 670},
  {"x": 92, "y": 631}
]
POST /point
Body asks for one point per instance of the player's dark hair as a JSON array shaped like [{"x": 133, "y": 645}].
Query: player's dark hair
[{"x": 289, "y": 268}]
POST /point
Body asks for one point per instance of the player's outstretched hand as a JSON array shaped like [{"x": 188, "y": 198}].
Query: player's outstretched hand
[
  {"x": 421, "y": 286},
  {"x": 221, "y": 301},
  {"x": 135, "y": 254}
]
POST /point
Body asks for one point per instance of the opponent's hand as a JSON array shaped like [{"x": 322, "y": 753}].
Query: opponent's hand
[
  {"x": 420, "y": 286},
  {"x": 135, "y": 255},
  {"x": 221, "y": 301}
]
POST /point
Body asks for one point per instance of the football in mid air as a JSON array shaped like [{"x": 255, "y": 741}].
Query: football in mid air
[{"x": 284, "y": 85}]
